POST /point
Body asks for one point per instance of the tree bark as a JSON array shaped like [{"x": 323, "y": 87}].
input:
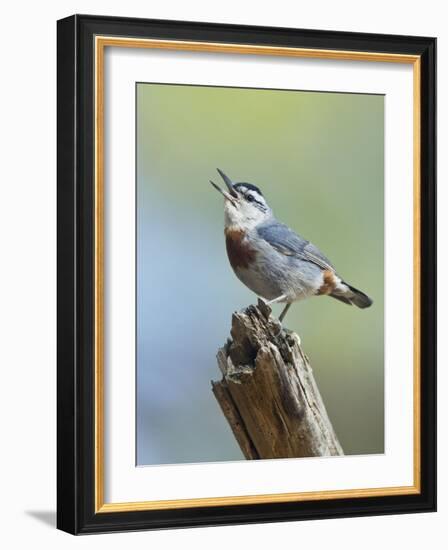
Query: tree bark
[{"x": 268, "y": 393}]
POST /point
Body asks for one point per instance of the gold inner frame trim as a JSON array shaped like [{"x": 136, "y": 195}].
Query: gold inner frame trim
[{"x": 101, "y": 42}]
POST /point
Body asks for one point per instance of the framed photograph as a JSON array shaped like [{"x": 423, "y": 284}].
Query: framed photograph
[{"x": 246, "y": 274}]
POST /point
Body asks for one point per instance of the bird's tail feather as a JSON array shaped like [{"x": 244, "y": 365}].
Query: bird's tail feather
[
  {"x": 353, "y": 296},
  {"x": 341, "y": 299}
]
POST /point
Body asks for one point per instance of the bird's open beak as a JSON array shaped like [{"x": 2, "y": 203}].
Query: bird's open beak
[
  {"x": 229, "y": 183},
  {"x": 231, "y": 195}
]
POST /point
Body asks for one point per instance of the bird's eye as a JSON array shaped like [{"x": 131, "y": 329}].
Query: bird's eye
[{"x": 250, "y": 198}]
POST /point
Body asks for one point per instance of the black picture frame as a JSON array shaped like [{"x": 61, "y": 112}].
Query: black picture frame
[{"x": 76, "y": 216}]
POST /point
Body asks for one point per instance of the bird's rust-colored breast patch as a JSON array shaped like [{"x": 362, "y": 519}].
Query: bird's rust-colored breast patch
[
  {"x": 329, "y": 283},
  {"x": 240, "y": 254}
]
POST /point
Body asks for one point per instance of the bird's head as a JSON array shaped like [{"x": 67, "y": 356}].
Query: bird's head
[{"x": 244, "y": 205}]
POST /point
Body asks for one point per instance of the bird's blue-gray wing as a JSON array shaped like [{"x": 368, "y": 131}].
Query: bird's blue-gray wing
[{"x": 289, "y": 243}]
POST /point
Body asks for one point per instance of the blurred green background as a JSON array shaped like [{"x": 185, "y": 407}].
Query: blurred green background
[{"x": 319, "y": 160}]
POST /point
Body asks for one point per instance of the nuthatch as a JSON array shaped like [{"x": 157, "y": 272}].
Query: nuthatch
[{"x": 271, "y": 259}]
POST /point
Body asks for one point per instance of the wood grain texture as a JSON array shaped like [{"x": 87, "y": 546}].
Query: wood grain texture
[{"x": 268, "y": 393}]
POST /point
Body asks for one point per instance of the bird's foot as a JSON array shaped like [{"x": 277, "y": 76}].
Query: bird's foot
[{"x": 284, "y": 312}]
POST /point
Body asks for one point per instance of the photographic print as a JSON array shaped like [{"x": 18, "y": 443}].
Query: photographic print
[
  {"x": 269, "y": 204},
  {"x": 246, "y": 274}
]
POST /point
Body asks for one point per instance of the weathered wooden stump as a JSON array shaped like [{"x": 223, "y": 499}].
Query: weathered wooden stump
[{"x": 268, "y": 393}]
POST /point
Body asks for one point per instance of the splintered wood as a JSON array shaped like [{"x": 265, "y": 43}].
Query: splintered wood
[{"x": 268, "y": 393}]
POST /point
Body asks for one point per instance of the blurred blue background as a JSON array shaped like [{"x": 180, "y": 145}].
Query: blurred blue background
[{"x": 319, "y": 160}]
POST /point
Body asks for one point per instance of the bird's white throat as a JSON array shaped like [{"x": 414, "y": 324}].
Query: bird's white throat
[{"x": 243, "y": 216}]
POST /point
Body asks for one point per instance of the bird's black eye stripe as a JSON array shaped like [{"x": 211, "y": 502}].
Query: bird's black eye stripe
[{"x": 250, "y": 198}]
